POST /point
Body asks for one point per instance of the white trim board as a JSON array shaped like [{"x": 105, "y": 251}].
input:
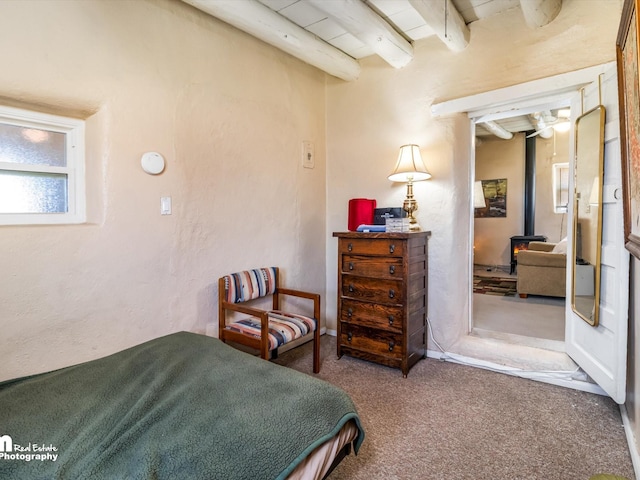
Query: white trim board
[{"x": 547, "y": 90}]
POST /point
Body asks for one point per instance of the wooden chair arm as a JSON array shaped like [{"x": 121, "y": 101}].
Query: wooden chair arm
[
  {"x": 254, "y": 312},
  {"x": 299, "y": 293}
]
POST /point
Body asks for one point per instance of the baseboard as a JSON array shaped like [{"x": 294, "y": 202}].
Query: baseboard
[{"x": 631, "y": 440}]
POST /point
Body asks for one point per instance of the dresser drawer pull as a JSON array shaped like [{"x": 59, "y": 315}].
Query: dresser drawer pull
[
  {"x": 351, "y": 287},
  {"x": 350, "y": 247},
  {"x": 349, "y": 336},
  {"x": 391, "y": 319},
  {"x": 350, "y": 265},
  {"x": 392, "y": 293},
  {"x": 349, "y": 312},
  {"x": 391, "y": 345},
  {"x": 392, "y": 269},
  {"x": 392, "y": 248}
]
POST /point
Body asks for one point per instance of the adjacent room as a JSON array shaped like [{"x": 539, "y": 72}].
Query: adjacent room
[
  {"x": 202, "y": 155},
  {"x": 533, "y": 310}
]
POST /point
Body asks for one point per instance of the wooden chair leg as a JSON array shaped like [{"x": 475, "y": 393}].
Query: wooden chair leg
[
  {"x": 264, "y": 336},
  {"x": 316, "y": 350}
]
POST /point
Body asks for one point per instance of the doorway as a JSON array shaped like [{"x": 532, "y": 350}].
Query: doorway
[
  {"x": 600, "y": 352},
  {"x": 524, "y": 195}
]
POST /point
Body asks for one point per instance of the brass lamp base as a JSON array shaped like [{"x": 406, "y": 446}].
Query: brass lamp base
[{"x": 410, "y": 205}]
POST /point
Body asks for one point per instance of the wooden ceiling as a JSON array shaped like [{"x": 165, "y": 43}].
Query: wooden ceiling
[{"x": 333, "y": 35}]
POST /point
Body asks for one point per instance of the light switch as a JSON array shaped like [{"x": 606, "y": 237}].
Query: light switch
[
  {"x": 165, "y": 205},
  {"x": 308, "y": 155}
]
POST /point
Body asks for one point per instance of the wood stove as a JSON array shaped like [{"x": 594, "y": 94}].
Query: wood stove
[{"x": 521, "y": 242}]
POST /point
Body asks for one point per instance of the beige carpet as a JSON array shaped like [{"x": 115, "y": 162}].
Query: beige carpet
[{"x": 449, "y": 421}]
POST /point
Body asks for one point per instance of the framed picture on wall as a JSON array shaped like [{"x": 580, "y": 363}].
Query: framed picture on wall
[
  {"x": 627, "y": 49},
  {"x": 495, "y": 196}
]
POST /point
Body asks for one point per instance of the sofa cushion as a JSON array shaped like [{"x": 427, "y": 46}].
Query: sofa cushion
[
  {"x": 541, "y": 246},
  {"x": 542, "y": 259}
]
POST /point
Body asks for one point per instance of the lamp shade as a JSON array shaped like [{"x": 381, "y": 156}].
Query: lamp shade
[
  {"x": 478, "y": 195},
  {"x": 409, "y": 166}
]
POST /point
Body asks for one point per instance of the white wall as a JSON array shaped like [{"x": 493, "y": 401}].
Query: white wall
[
  {"x": 370, "y": 118},
  {"x": 228, "y": 112}
]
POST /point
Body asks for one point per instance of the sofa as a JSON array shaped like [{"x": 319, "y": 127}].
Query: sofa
[{"x": 542, "y": 269}]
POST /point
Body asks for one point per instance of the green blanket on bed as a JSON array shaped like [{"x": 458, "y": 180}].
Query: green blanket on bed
[{"x": 183, "y": 406}]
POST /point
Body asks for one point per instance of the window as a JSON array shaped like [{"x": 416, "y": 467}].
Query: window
[
  {"x": 41, "y": 168},
  {"x": 560, "y": 187}
]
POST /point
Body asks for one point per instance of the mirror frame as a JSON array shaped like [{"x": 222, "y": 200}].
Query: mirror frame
[{"x": 586, "y": 143}]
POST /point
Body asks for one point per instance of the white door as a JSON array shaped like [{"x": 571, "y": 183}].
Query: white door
[{"x": 602, "y": 351}]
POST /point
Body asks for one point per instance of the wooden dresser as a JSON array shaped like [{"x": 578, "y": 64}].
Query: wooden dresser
[{"x": 382, "y": 297}]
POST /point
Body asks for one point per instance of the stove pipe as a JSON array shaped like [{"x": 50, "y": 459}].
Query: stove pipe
[{"x": 529, "y": 184}]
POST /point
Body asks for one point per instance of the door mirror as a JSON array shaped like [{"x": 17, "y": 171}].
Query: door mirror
[{"x": 587, "y": 215}]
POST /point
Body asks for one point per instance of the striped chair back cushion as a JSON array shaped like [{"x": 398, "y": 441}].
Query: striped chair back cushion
[{"x": 250, "y": 284}]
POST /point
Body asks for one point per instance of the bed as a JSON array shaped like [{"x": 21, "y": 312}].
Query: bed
[{"x": 181, "y": 406}]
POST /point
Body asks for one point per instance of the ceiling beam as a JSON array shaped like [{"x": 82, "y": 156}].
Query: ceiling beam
[
  {"x": 368, "y": 27},
  {"x": 260, "y": 21},
  {"x": 542, "y": 129},
  {"x": 497, "y": 130},
  {"x": 445, "y": 21},
  {"x": 538, "y": 13}
]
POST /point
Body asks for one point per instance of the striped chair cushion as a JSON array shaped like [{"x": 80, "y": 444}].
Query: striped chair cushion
[
  {"x": 283, "y": 327},
  {"x": 250, "y": 284}
]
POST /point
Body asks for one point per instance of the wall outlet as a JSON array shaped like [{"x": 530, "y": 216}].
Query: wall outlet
[{"x": 308, "y": 155}]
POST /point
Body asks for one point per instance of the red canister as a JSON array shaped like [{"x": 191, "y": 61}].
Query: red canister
[{"x": 360, "y": 212}]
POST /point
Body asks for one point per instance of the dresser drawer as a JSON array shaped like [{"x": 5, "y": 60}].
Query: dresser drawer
[
  {"x": 361, "y": 246},
  {"x": 373, "y": 289},
  {"x": 378, "y": 342},
  {"x": 375, "y": 315},
  {"x": 378, "y": 267}
]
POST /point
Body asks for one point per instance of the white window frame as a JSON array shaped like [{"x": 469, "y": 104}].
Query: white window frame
[
  {"x": 74, "y": 129},
  {"x": 560, "y": 189}
]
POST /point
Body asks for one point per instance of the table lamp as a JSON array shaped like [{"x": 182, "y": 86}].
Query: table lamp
[{"x": 410, "y": 168}]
